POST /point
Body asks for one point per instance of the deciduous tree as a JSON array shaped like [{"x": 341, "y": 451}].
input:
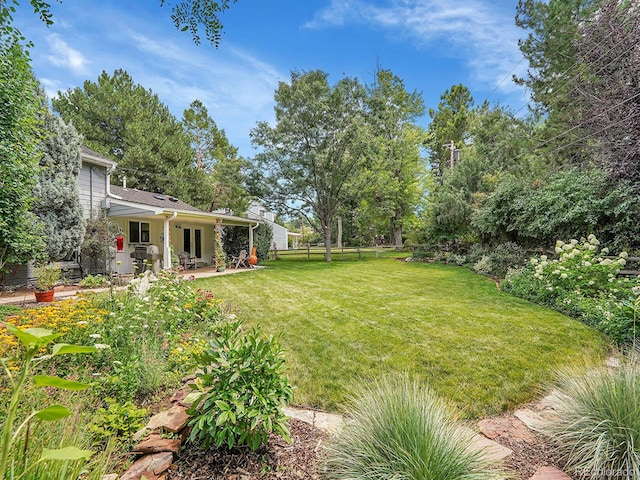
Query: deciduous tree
[
  {"x": 315, "y": 148},
  {"x": 393, "y": 183}
]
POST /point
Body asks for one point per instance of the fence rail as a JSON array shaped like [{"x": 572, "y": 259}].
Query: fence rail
[{"x": 310, "y": 251}]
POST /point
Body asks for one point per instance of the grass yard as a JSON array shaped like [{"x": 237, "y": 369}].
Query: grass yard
[{"x": 483, "y": 349}]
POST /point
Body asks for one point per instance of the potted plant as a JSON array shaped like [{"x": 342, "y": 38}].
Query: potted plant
[{"x": 46, "y": 277}]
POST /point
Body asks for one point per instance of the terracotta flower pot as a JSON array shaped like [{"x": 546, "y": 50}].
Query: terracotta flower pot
[
  {"x": 253, "y": 259},
  {"x": 44, "y": 296}
]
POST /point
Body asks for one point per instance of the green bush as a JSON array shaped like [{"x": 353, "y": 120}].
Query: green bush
[
  {"x": 400, "y": 429},
  {"x": 93, "y": 281},
  {"x": 240, "y": 393},
  {"x": 581, "y": 282},
  {"x": 484, "y": 266},
  {"x": 597, "y": 426},
  {"x": 117, "y": 420}
]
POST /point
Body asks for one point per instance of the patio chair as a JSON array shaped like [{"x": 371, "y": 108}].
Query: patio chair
[
  {"x": 240, "y": 260},
  {"x": 187, "y": 261}
]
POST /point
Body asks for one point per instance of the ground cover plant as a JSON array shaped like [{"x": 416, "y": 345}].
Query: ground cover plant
[
  {"x": 582, "y": 281},
  {"x": 481, "y": 348}
]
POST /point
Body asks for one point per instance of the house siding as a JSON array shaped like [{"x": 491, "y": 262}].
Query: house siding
[{"x": 92, "y": 183}]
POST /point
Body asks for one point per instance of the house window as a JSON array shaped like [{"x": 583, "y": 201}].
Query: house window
[
  {"x": 138, "y": 232},
  {"x": 198, "y": 241}
]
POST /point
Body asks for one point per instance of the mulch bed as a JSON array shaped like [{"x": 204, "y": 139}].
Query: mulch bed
[
  {"x": 278, "y": 460},
  {"x": 303, "y": 458}
]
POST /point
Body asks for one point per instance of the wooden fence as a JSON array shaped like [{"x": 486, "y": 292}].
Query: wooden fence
[{"x": 317, "y": 252}]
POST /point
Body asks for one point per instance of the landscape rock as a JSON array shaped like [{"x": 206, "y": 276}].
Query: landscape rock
[
  {"x": 494, "y": 428},
  {"x": 172, "y": 420},
  {"x": 550, "y": 473},
  {"x": 150, "y": 466},
  {"x": 531, "y": 419},
  {"x": 156, "y": 444}
]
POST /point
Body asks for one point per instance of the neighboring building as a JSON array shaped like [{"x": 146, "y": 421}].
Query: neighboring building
[
  {"x": 281, "y": 234},
  {"x": 93, "y": 180}
]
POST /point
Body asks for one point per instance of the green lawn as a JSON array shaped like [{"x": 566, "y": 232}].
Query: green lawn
[{"x": 351, "y": 320}]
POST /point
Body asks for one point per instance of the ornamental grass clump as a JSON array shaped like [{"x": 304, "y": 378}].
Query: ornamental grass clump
[
  {"x": 401, "y": 429},
  {"x": 597, "y": 427}
]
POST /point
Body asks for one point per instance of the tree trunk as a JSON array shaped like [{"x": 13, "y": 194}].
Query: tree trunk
[
  {"x": 397, "y": 237},
  {"x": 327, "y": 242}
]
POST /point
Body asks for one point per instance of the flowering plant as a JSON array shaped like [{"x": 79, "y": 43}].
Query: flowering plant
[
  {"x": 581, "y": 281},
  {"x": 46, "y": 276}
]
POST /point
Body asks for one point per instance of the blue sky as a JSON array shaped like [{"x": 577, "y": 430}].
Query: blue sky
[{"x": 430, "y": 44}]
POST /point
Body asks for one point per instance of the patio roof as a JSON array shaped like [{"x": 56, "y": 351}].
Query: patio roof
[{"x": 130, "y": 202}]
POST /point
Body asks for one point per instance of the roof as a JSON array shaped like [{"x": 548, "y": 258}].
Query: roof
[
  {"x": 130, "y": 202},
  {"x": 152, "y": 199},
  {"x": 94, "y": 157}
]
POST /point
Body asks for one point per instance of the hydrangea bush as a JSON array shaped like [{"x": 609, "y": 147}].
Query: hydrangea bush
[{"x": 582, "y": 281}]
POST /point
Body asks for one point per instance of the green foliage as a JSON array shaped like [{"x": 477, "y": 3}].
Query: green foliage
[
  {"x": 57, "y": 193},
  {"x": 566, "y": 204},
  {"x": 94, "y": 281},
  {"x": 392, "y": 186},
  {"x": 401, "y": 429},
  {"x": 316, "y": 148},
  {"x": 46, "y": 276},
  {"x": 20, "y": 239},
  {"x": 95, "y": 246},
  {"x": 13, "y": 455},
  {"x": 597, "y": 426},
  {"x": 117, "y": 420},
  {"x": 499, "y": 259},
  {"x": 124, "y": 121},
  {"x": 450, "y": 122},
  {"x": 262, "y": 239},
  {"x": 581, "y": 282},
  {"x": 192, "y": 14},
  {"x": 239, "y": 395}
]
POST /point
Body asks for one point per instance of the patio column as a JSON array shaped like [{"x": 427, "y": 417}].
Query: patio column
[
  {"x": 166, "y": 251},
  {"x": 251, "y": 229}
]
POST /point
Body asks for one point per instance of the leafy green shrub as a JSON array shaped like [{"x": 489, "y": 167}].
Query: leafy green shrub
[
  {"x": 400, "y": 429},
  {"x": 93, "y": 281},
  {"x": 484, "y": 266},
  {"x": 597, "y": 426},
  {"x": 504, "y": 256},
  {"x": 581, "y": 282},
  {"x": 117, "y": 420},
  {"x": 459, "y": 260},
  {"x": 239, "y": 396}
]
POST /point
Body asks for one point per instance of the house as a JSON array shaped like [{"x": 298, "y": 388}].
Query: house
[
  {"x": 152, "y": 226},
  {"x": 281, "y": 235}
]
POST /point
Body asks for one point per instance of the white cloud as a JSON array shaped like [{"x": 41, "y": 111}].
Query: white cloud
[
  {"x": 471, "y": 29},
  {"x": 62, "y": 55}
]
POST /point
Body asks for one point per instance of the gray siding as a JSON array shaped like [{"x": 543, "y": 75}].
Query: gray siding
[{"x": 92, "y": 182}]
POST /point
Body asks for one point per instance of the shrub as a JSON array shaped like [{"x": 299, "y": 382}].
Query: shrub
[
  {"x": 400, "y": 429},
  {"x": 91, "y": 281},
  {"x": 117, "y": 420},
  {"x": 484, "y": 266},
  {"x": 581, "y": 282},
  {"x": 597, "y": 426},
  {"x": 505, "y": 256},
  {"x": 459, "y": 260},
  {"x": 241, "y": 390}
]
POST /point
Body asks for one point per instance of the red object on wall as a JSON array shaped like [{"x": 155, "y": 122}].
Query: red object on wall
[
  {"x": 253, "y": 259},
  {"x": 120, "y": 243}
]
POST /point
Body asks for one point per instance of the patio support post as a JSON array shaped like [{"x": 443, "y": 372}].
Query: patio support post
[
  {"x": 251, "y": 229},
  {"x": 166, "y": 253}
]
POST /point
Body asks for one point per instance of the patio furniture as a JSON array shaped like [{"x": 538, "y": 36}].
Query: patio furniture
[
  {"x": 187, "y": 261},
  {"x": 240, "y": 259}
]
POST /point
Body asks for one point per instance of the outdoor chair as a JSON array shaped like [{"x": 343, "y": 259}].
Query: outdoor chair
[
  {"x": 187, "y": 261},
  {"x": 240, "y": 260}
]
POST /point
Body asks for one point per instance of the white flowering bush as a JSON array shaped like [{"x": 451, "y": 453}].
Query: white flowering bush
[{"x": 581, "y": 280}]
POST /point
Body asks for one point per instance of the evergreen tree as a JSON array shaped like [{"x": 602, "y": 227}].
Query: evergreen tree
[{"x": 57, "y": 194}]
